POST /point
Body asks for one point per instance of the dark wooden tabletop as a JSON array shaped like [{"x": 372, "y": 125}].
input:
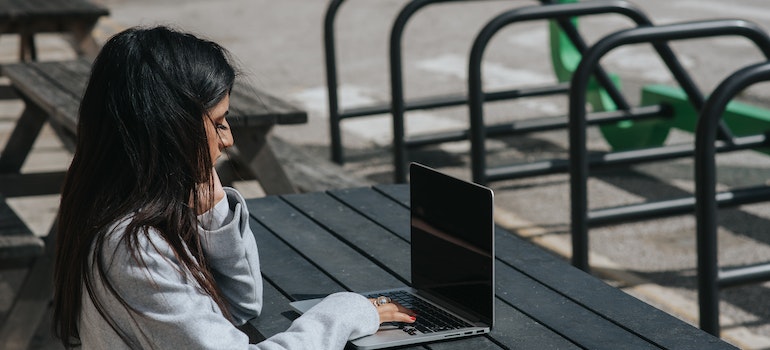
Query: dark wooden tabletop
[
  {"x": 25, "y": 10},
  {"x": 27, "y": 18},
  {"x": 358, "y": 240}
]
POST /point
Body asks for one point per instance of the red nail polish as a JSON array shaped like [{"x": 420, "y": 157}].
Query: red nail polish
[{"x": 413, "y": 318}]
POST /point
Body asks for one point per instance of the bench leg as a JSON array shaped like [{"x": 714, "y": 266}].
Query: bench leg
[
  {"x": 22, "y": 138},
  {"x": 83, "y": 40},
  {"x": 27, "y": 51},
  {"x": 255, "y": 152},
  {"x": 31, "y": 302}
]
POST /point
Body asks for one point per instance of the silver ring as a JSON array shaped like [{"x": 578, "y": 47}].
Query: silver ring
[{"x": 381, "y": 300}]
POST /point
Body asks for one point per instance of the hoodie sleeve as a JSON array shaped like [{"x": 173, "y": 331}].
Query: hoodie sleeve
[
  {"x": 328, "y": 325},
  {"x": 231, "y": 251}
]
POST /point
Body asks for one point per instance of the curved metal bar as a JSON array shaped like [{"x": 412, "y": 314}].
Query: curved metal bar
[
  {"x": 398, "y": 105},
  {"x": 578, "y": 167},
  {"x": 705, "y": 188},
  {"x": 336, "y": 115},
  {"x": 335, "y": 133},
  {"x": 478, "y": 131}
]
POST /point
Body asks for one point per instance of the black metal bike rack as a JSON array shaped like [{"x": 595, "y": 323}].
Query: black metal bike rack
[
  {"x": 336, "y": 115},
  {"x": 710, "y": 277},
  {"x": 580, "y": 162},
  {"x": 478, "y": 130},
  {"x": 398, "y": 105},
  {"x": 476, "y": 96}
]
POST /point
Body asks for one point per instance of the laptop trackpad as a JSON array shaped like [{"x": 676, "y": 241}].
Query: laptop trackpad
[{"x": 385, "y": 335}]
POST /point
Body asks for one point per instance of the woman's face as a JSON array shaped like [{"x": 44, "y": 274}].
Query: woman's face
[{"x": 217, "y": 129}]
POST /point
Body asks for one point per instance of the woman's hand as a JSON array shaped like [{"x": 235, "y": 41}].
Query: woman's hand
[
  {"x": 205, "y": 200},
  {"x": 393, "y": 312}
]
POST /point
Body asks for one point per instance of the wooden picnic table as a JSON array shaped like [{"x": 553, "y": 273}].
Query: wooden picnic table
[
  {"x": 51, "y": 92},
  {"x": 30, "y": 17},
  {"x": 358, "y": 240}
]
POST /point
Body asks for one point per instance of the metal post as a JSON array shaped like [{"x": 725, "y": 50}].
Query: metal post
[
  {"x": 398, "y": 106},
  {"x": 705, "y": 189},
  {"x": 335, "y": 133}
]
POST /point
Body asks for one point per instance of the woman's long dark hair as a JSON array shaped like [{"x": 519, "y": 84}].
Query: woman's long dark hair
[{"x": 141, "y": 153}]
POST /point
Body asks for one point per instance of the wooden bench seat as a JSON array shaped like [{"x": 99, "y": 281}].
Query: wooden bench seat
[{"x": 18, "y": 245}]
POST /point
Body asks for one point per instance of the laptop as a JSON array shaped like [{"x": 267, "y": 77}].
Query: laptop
[{"x": 452, "y": 258}]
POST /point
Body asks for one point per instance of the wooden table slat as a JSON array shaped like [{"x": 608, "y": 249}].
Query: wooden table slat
[
  {"x": 20, "y": 9},
  {"x": 390, "y": 215},
  {"x": 397, "y": 192},
  {"x": 287, "y": 113},
  {"x": 274, "y": 317},
  {"x": 622, "y": 308},
  {"x": 32, "y": 82},
  {"x": 471, "y": 343},
  {"x": 382, "y": 246},
  {"x": 575, "y": 322},
  {"x": 335, "y": 258},
  {"x": 70, "y": 76},
  {"x": 297, "y": 277},
  {"x": 522, "y": 332},
  {"x": 250, "y": 100},
  {"x": 45, "y": 93}
]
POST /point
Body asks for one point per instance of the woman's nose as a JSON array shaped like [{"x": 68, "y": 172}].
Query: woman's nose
[{"x": 226, "y": 137}]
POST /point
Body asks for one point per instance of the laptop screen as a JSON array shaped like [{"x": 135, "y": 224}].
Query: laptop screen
[{"x": 452, "y": 232}]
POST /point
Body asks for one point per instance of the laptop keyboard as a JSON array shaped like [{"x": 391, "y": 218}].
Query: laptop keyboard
[{"x": 430, "y": 319}]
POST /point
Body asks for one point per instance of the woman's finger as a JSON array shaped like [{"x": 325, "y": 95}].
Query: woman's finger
[{"x": 392, "y": 312}]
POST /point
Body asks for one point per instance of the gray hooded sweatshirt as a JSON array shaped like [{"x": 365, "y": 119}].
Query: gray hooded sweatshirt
[{"x": 174, "y": 313}]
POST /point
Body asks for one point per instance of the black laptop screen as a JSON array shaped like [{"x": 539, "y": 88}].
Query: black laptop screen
[{"x": 453, "y": 240}]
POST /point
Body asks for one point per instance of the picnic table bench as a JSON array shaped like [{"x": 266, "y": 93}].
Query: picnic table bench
[
  {"x": 51, "y": 92},
  {"x": 30, "y": 17},
  {"x": 358, "y": 239}
]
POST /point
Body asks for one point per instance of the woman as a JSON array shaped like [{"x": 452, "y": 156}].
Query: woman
[{"x": 152, "y": 251}]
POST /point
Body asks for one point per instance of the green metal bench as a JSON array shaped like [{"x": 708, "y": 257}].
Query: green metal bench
[{"x": 740, "y": 117}]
